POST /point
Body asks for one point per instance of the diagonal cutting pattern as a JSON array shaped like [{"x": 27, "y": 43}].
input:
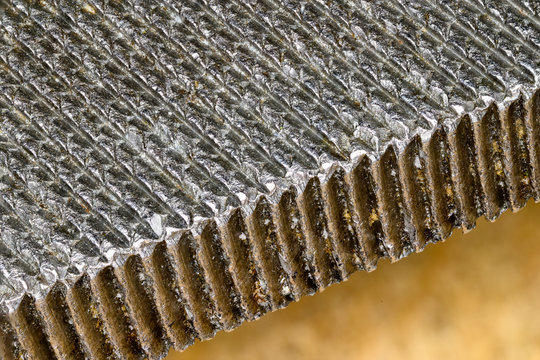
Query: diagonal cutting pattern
[{"x": 170, "y": 169}]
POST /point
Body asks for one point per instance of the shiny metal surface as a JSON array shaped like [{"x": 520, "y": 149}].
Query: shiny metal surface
[{"x": 124, "y": 123}]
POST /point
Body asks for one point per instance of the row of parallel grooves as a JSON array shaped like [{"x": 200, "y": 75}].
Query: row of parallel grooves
[
  {"x": 173, "y": 306},
  {"x": 217, "y": 265},
  {"x": 294, "y": 237},
  {"x": 521, "y": 172},
  {"x": 271, "y": 254},
  {"x": 33, "y": 329},
  {"x": 246, "y": 269},
  {"x": 140, "y": 289},
  {"x": 318, "y": 233},
  {"x": 70, "y": 344},
  {"x": 90, "y": 319},
  {"x": 416, "y": 165},
  {"x": 116, "y": 310},
  {"x": 489, "y": 130},
  {"x": 400, "y": 234},
  {"x": 344, "y": 222},
  {"x": 279, "y": 253},
  {"x": 366, "y": 205},
  {"x": 469, "y": 184},
  {"x": 192, "y": 276}
]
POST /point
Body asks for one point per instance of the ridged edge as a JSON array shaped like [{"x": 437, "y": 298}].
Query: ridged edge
[{"x": 306, "y": 242}]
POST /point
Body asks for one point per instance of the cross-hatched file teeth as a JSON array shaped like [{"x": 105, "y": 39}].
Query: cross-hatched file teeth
[
  {"x": 260, "y": 262},
  {"x": 169, "y": 169}
]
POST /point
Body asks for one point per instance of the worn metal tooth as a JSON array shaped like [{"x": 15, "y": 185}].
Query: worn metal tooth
[
  {"x": 534, "y": 123},
  {"x": 275, "y": 267},
  {"x": 10, "y": 346},
  {"x": 172, "y": 303},
  {"x": 290, "y": 223},
  {"x": 415, "y": 164},
  {"x": 492, "y": 162},
  {"x": 466, "y": 162},
  {"x": 33, "y": 331},
  {"x": 117, "y": 315},
  {"x": 216, "y": 262},
  {"x": 366, "y": 205},
  {"x": 318, "y": 234},
  {"x": 66, "y": 337},
  {"x": 515, "y": 119},
  {"x": 397, "y": 218},
  {"x": 246, "y": 270},
  {"x": 89, "y": 317},
  {"x": 447, "y": 205},
  {"x": 142, "y": 298},
  {"x": 343, "y": 222},
  {"x": 193, "y": 278}
]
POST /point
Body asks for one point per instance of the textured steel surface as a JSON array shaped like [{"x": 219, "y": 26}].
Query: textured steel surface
[{"x": 297, "y": 142}]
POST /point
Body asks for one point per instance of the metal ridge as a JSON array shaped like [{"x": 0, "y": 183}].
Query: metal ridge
[{"x": 258, "y": 263}]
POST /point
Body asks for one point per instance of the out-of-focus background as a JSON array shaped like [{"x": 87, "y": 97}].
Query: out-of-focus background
[{"x": 475, "y": 296}]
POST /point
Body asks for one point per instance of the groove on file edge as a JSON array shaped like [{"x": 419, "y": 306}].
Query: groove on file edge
[
  {"x": 469, "y": 186},
  {"x": 170, "y": 297},
  {"x": 272, "y": 254},
  {"x": 140, "y": 288},
  {"x": 246, "y": 268},
  {"x": 446, "y": 200},
  {"x": 35, "y": 336},
  {"x": 68, "y": 340},
  {"x": 124, "y": 332},
  {"x": 296, "y": 247},
  {"x": 290, "y": 220},
  {"x": 395, "y": 212},
  {"x": 415, "y": 164},
  {"x": 217, "y": 262},
  {"x": 199, "y": 293},
  {"x": 343, "y": 222},
  {"x": 515, "y": 119},
  {"x": 490, "y": 132}
]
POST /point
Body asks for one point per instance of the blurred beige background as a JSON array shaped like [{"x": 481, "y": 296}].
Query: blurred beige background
[{"x": 476, "y": 296}]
